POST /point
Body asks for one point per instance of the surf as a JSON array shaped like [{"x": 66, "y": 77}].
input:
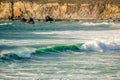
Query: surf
[
  {"x": 39, "y": 51},
  {"x": 89, "y": 46},
  {"x": 101, "y": 46}
]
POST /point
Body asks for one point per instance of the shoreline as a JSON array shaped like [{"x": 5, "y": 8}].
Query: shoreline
[{"x": 83, "y": 20}]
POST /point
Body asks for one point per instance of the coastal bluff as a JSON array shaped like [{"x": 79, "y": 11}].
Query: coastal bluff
[{"x": 60, "y": 10}]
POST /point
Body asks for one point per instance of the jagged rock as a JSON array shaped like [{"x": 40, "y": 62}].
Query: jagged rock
[
  {"x": 23, "y": 20},
  {"x": 118, "y": 20},
  {"x": 48, "y": 18},
  {"x": 30, "y": 20},
  {"x": 10, "y": 18},
  {"x": 17, "y": 18}
]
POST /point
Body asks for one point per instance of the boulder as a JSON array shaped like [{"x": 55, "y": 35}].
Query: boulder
[
  {"x": 48, "y": 18},
  {"x": 30, "y": 20},
  {"x": 23, "y": 19}
]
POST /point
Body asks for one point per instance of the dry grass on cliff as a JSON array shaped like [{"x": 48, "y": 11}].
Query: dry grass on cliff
[{"x": 69, "y": 1}]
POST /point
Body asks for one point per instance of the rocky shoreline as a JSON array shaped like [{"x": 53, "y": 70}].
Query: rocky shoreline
[{"x": 84, "y": 20}]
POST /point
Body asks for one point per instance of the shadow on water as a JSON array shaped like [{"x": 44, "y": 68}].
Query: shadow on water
[
  {"x": 46, "y": 26},
  {"x": 26, "y": 36},
  {"x": 3, "y": 47},
  {"x": 18, "y": 30}
]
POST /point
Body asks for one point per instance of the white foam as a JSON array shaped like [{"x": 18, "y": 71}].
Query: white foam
[
  {"x": 101, "y": 45},
  {"x": 24, "y": 52},
  {"x": 5, "y": 23},
  {"x": 95, "y": 24},
  {"x": 115, "y": 25},
  {"x": 112, "y": 24},
  {"x": 21, "y": 52}
]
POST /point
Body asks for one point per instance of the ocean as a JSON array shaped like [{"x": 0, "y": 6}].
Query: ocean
[{"x": 63, "y": 50}]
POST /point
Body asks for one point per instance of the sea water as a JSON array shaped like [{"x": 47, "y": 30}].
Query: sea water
[{"x": 66, "y": 50}]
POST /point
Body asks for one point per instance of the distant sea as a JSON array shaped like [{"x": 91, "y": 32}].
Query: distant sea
[{"x": 63, "y": 50}]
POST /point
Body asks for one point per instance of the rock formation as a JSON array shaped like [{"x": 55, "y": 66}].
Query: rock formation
[
  {"x": 48, "y": 18},
  {"x": 56, "y": 10},
  {"x": 30, "y": 21}
]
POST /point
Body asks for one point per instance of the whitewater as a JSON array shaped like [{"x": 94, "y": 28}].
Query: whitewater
[{"x": 65, "y": 50}]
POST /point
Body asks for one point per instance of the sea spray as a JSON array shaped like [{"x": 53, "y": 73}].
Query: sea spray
[{"x": 101, "y": 46}]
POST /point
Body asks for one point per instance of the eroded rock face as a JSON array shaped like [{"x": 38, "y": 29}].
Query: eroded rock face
[
  {"x": 60, "y": 11},
  {"x": 5, "y": 10}
]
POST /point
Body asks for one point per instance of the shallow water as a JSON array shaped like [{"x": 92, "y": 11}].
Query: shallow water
[{"x": 59, "y": 51}]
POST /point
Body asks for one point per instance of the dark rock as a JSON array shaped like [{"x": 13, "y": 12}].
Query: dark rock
[
  {"x": 39, "y": 20},
  {"x": 23, "y": 20},
  {"x": 17, "y": 18},
  {"x": 48, "y": 18},
  {"x": 118, "y": 20},
  {"x": 10, "y": 18},
  {"x": 30, "y": 21}
]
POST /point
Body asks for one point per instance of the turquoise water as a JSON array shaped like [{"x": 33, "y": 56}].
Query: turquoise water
[{"x": 63, "y": 50}]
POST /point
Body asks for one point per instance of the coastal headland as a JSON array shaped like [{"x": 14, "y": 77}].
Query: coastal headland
[{"x": 61, "y": 9}]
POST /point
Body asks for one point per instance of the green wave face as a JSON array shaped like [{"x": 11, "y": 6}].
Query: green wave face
[{"x": 57, "y": 48}]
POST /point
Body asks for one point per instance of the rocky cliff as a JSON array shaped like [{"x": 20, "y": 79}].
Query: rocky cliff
[{"x": 58, "y": 10}]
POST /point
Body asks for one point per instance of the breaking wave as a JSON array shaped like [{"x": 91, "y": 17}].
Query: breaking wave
[
  {"x": 101, "y": 46},
  {"x": 88, "y": 46}
]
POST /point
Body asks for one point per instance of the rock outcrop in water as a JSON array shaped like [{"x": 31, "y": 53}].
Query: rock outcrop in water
[
  {"x": 58, "y": 10},
  {"x": 23, "y": 20},
  {"x": 30, "y": 21},
  {"x": 48, "y": 18}
]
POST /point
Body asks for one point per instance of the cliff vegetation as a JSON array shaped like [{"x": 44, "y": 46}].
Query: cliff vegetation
[{"x": 60, "y": 9}]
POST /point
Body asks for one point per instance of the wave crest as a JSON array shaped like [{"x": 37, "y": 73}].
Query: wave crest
[
  {"x": 101, "y": 46},
  {"x": 88, "y": 46}
]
